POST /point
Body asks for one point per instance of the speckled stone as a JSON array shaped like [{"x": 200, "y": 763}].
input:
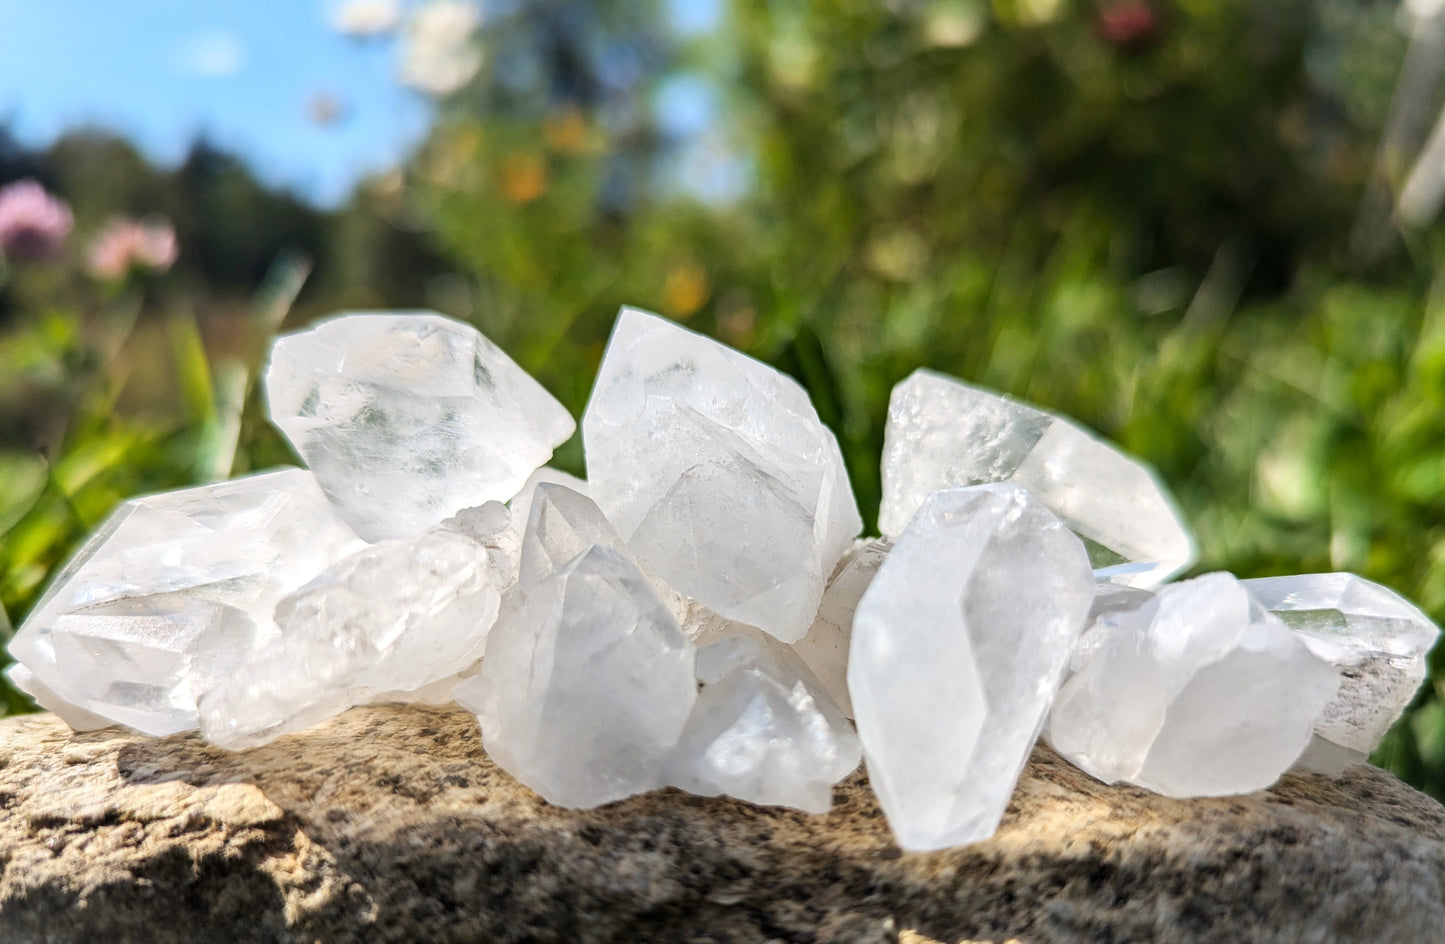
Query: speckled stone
[{"x": 389, "y": 823}]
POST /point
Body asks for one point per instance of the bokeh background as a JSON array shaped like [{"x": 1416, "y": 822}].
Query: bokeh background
[{"x": 1208, "y": 229}]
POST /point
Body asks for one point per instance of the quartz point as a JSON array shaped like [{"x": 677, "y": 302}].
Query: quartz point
[
  {"x": 824, "y": 650},
  {"x": 763, "y": 729},
  {"x": 521, "y": 503},
  {"x": 170, "y": 593},
  {"x": 943, "y": 432},
  {"x": 562, "y": 523},
  {"x": 718, "y": 473},
  {"x": 586, "y": 685},
  {"x": 1196, "y": 690},
  {"x": 1374, "y": 638},
  {"x": 396, "y": 617},
  {"x": 958, "y": 646},
  {"x": 408, "y": 417}
]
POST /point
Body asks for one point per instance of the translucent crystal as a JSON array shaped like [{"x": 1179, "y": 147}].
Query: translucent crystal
[
  {"x": 718, "y": 473},
  {"x": 943, "y": 432},
  {"x": 562, "y": 523},
  {"x": 521, "y": 504},
  {"x": 763, "y": 730},
  {"x": 408, "y": 417},
  {"x": 958, "y": 646},
  {"x": 394, "y": 618},
  {"x": 824, "y": 650},
  {"x": 586, "y": 687},
  {"x": 1375, "y": 639},
  {"x": 78, "y": 718},
  {"x": 172, "y": 592},
  {"x": 1193, "y": 691}
]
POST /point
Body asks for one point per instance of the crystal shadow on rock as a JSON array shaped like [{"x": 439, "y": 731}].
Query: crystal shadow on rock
[
  {"x": 944, "y": 433},
  {"x": 958, "y": 646},
  {"x": 718, "y": 473}
]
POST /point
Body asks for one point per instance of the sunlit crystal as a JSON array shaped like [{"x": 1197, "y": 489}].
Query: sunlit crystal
[
  {"x": 172, "y": 592},
  {"x": 521, "y": 504},
  {"x": 825, "y": 648},
  {"x": 1375, "y": 639},
  {"x": 408, "y": 417},
  {"x": 718, "y": 473},
  {"x": 763, "y": 729},
  {"x": 958, "y": 646},
  {"x": 586, "y": 687},
  {"x": 1193, "y": 691},
  {"x": 562, "y": 523},
  {"x": 943, "y": 432},
  {"x": 393, "y": 618}
]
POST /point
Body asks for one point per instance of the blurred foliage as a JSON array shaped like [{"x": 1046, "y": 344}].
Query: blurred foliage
[{"x": 1152, "y": 217}]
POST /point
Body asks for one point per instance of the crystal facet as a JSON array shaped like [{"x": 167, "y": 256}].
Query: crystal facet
[
  {"x": 562, "y": 523},
  {"x": 587, "y": 685},
  {"x": 824, "y": 650},
  {"x": 958, "y": 646},
  {"x": 393, "y": 618},
  {"x": 943, "y": 432},
  {"x": 1193, "y": 691},
  {"x": 408, "y": 417},
  {"x": 1375, "y": 639},
  {"x": 172, "y": 592},
  {"x": 718, "y": 473},
  {"x": 763, "y": 730}
]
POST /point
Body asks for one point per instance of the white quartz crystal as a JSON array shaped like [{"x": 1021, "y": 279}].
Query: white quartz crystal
[
  {"x": 958, "y": 646},
  {"x": 824, "y": 650},
  {"x": 521, "y": 504},
  {"x": 1375, "y": 639},
  {"x": 763, "y": 729},
  {"x": 562, "y": 523},
  {"x": 171, "y": 593},
  {"x": 394, "y": 618},
  {"x": 718, "y": 473},
  {"x": 587, "y": 685},
  {"x": 408, "y": 417},
  {"x": 1193, "y": 691},
  {"x": 943, "y": 432}
]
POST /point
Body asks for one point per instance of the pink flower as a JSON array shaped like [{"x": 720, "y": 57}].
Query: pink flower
[
  {"x": 125, "y": 245},
  {"x": 33, "y": 224},
  {"x": 1128, "y": 24}
]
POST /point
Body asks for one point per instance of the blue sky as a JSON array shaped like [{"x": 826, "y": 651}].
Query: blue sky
[{"x": 243, "y": 73}]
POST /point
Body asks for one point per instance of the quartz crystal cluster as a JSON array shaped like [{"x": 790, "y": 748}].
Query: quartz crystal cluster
[{"x": 701, "y": 612}]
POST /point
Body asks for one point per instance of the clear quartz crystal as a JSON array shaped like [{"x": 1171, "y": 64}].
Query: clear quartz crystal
[
  {"x": 824, "y": 650},
  {"x": 763, "y": 729},
  {"x": 1193, "y": 691},
  {"x": 170, "y": 593},
  {"x": 958, "y": 646},
  {"x": 1376, "y": 639},
  {"x": 408, "y": 417},
  {"x": 587, "y": 685},
  {"x": 562, "y": 523},
  {"x": 718, "y": 473},
  {"x": 521, "y": 503},
  {"x": 394, "y": 618},
  {"x": 943, "y": 432}
]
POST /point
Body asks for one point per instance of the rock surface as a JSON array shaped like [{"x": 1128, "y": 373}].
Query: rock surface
[{"x": 390, "y": 824}]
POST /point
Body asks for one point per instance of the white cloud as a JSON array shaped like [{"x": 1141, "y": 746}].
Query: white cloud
[
  {"x": 365, "y": 18},
  {"x": 212, "y": 54}
]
